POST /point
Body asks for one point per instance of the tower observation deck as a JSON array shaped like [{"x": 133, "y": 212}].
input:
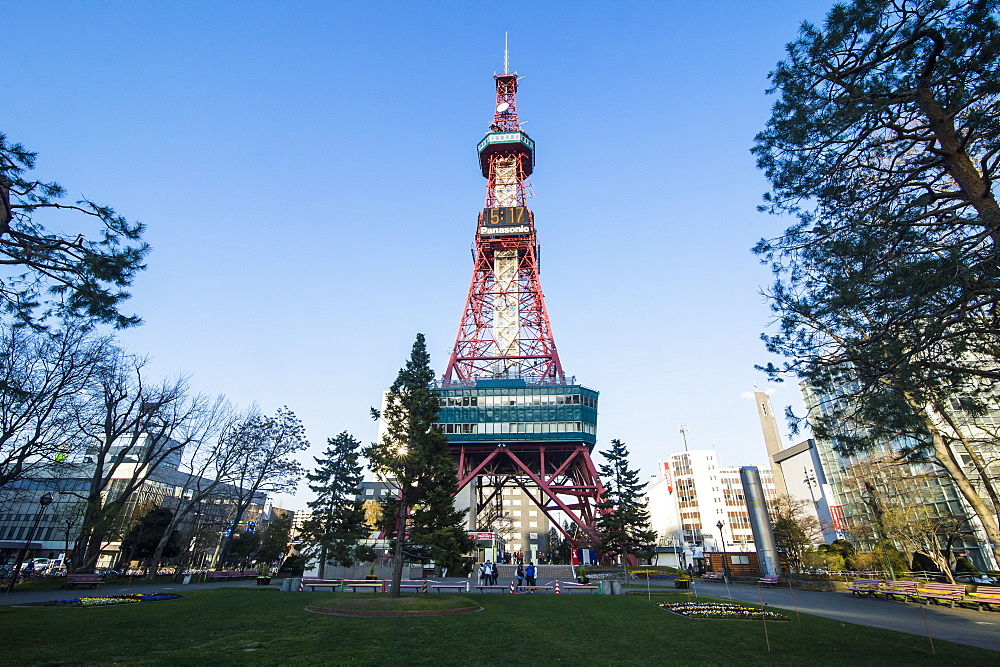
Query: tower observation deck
[{"x": 512, "y": 416}]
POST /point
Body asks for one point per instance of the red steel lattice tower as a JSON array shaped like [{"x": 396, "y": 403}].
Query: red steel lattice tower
[
  {"x": 505, "y": 330},
  {"x": 512, "y": 417}
]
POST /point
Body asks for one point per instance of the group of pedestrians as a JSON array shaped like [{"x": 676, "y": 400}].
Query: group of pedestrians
[
  {"x": 524, "y": 576},
  {"x": 488, "y": 573}
]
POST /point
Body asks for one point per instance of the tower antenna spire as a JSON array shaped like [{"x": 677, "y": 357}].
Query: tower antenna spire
[{"x": 506, "y": 56}]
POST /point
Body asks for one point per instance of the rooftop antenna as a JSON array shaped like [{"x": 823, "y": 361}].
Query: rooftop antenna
[
  {"x": 683, "y": 428},
  {"x": 506, "y": 56}
]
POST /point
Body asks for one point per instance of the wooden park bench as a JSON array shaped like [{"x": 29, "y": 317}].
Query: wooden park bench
[
  {"x": 713, "y": 576},
  {"x": 416, "y": 584},
  {"x": 226, "y": 574},
  {"x": 354, "y": 584},
  {"x": 570, "y": 587},
  {"x": 74, "y": 580},
  {"x": 985, "y": 598},
  {"x": 941, "y": 593},
  {"x": 502, "y": 589},
  {"x": 864, "y": 587},
  {"x": 770, "y": 580},
  {"x": 312, "y": 584},
  {"x": 532, "y": 589},
  {"x": 438, "y": 586},
  {"x": 903, "y": 589}
]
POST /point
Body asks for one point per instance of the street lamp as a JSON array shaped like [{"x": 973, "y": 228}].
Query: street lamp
[
  {"x": 44, "y": 501},
  {"x": 722, "y": 549}
]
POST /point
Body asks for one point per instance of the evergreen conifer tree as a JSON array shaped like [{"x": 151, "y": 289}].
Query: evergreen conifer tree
[
  {"x": 338, "y": 518},
  {"x": 883, "y": 145},
  {"x": 623, "y": 521},
  {"x": 414, "y": 455}
]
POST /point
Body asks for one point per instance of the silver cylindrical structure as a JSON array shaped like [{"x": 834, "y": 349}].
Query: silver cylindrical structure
[{"x": 760, "y": 522}]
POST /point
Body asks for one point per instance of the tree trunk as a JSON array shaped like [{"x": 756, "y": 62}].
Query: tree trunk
[
  {"x": 944, "y": 456},
  {"x": 322, "y": 562},
  {"x": 977, "y": 461},
  {"x": 162, "y": 544},
  {"x": 397, "y": 559},
  {"x": 959, "y": 165},
  {"x": 228, "y": 539}
]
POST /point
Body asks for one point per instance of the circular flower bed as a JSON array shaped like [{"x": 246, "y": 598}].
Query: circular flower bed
[
  {"x": 104, "y": 601},
  {"x": 719, "y": 610}
]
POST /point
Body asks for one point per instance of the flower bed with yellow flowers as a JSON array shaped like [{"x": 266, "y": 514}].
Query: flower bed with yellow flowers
[
  {"x": 105, "y": 600},
  {"x": 720, "y": 610}
]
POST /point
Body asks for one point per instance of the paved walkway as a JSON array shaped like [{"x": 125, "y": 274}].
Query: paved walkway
[
  {"x": 963, "y": 626},
  {"x": 137, "y": 586}
]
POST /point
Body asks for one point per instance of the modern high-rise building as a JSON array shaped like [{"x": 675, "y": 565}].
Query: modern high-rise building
[{"x": 863, "y": 486}]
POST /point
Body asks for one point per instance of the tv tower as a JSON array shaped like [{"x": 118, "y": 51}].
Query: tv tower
[
  {"x": 505, "y": 330},
  {"x": 512, "y": 417}
]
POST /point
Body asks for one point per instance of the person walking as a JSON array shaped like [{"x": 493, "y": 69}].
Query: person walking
[
  {"x": 483, "y": 576},
  {"x": 519, "y": 577},
  {"x": 529, "y": 574}
]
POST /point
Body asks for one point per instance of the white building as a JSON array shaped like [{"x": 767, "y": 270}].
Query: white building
[{"x": 688, "y": 499}]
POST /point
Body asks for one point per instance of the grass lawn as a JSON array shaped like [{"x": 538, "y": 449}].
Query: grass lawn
[
  {"x": 264, "y": 626},
  {"x": 377, "y": 602},
  {"x": 55, "y": 583}
]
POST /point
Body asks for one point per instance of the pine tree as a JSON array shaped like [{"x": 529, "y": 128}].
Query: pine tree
[
  {"x": 62, "y": 272},
  {"x": 887, "y": 286},
  {"x": 414, "y": 455},
  {"x": 440, "y": 527},
  {"x": 623, "y": 522},
  {"x": 338, "y": 518}
]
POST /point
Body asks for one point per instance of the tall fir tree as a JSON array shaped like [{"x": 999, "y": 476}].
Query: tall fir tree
[
  {"x": 338, "y": 517},
  {"x": 623, "y": 521},
  {"x": 414, "y": 455}
]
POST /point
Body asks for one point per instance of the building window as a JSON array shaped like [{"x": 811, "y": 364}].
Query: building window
[
  {"x": 532, "y": 524},
  {"x": 533, "y": 536}
]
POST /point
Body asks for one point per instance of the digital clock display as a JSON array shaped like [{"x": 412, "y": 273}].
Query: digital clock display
[{"x": 506, "y": 221}]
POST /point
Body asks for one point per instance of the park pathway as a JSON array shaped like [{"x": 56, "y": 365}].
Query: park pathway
[{"x": 962, "y": 626}]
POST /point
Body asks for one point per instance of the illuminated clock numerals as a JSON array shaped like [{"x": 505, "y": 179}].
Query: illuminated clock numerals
[{"x": 506, "y": 215}]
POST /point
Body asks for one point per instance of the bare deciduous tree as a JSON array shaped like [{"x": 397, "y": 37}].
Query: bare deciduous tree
[
  {"x": 42, "y": 377},
  {"x": 264, "y": 449}
]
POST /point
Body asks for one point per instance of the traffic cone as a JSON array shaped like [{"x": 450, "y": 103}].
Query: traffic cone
[
  {"x": 424, "y": 589},
  {"x": 558, "y": 592},
  {"x": 301, "y": 586},
  {"x": 512, "y": 587}
]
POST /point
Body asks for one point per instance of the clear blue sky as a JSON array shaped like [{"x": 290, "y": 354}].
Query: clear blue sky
[{"x": 308, "y": 174}]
